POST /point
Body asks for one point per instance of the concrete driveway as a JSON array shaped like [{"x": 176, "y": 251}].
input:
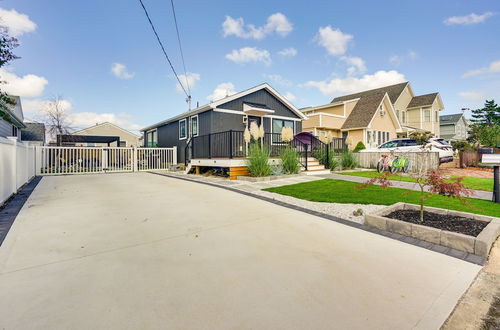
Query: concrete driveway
[{"x": 141, "y": 251}]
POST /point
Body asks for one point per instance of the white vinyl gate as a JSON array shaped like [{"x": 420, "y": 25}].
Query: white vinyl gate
[{"x": 85, "y": 160}]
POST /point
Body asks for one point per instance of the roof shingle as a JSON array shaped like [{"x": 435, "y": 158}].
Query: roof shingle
[
  {"x": 364, "y": 110},
  {"x": 393, "y": 91},
  {"x": 422, "y": 100}
]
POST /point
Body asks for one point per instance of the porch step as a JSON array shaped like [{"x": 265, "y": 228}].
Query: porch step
[{"x": 316, "y": 172}]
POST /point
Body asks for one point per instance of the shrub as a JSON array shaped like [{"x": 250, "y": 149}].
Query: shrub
[
  {"x": 326, "y": 159},
  {"x": 462, "y": 146},
  {"x": 334, "y": 163},
  {"x": 258, "y": 161},
  {"x": 348, "y": 160},
  {"x": 290, "y": 160},
  {"x": 360, "y": 146}
]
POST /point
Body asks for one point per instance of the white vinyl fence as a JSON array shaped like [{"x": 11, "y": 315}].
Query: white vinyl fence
[
  {"x": 17, "y": 166},
  {"x": 419, "y": 161},
  {"x": 87, "y": 160}
]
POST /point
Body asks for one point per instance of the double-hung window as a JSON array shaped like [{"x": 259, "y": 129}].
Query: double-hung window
[
  {"x": 427, "y": 115},
  {"x": 194, "y": 125},
  {"x": 182, "y": 129},
  {"x": 278, "y": 125}
]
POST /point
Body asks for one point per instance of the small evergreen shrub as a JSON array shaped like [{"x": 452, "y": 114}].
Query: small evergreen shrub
[
  {"x": 258, "y": 161},
  {"x": 360, "y": 146},
  {"x": 290, "y": 160},
  {"x": 348, "y": 160}
]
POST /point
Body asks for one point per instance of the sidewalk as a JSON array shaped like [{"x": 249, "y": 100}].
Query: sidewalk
[{"x": 479, "y": 194}]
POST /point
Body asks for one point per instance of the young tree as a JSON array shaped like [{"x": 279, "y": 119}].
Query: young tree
[{"x": 56, "y": 117}]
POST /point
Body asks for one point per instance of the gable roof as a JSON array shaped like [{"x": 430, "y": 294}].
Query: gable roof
[
  {"x": 14, "y": 111},
  {"x": 450, "y": 119},
  {"x": 364, "y": 110},
  {"x": 102, "y": 124},
  {"x": 226, "y": 99},
  {"x": 33, "y": 132},
  {"x": 393, "y": 91},
  {"x": 422, "y": 100}
]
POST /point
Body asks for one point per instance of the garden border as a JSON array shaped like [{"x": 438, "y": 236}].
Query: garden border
[{"x": 469, "y": 257}]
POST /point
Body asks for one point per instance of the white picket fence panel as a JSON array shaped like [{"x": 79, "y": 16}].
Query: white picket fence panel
[
  {"x": 88, "y": 160},
  {"x": 17, "y": 166}
]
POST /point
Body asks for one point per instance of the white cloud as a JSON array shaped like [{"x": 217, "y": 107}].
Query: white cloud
[
  {"x": 278, "y": 80},
  {"x": 221, "y": 91},
  {"x": 120, "y": 71},
  {"x": 494, "y": 67},
  {"x": 276, "y": 23},
  {"x": 396, "y": 60},
  {"x": 472, "y": 96},
  {"x": 29, "y": 85},
  {"x": 249, "y": 54},
  {"x": 334, "y": 41},
  {"x": 36, "y": 107},
  {"x": 468, "y": 19},
  {"x": 357, "y": 65},
  {"x": 290, "y": 97},
  {"x": 16, "y": 23},
  {"x": 86, "y": 119},
  {"x": 349, "y": 85},
  {"x": 77, "y": 120},
  {"x": 189, "y": 79},
  {"x": 288, "y": 52}
]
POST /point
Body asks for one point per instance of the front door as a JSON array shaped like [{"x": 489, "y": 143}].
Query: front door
[{"x": 254, "y": 119}]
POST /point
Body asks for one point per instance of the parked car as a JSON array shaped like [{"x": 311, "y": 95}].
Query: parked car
[{"x": 411, "y": 145}]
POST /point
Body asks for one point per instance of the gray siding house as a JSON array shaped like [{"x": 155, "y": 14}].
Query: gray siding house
[
  {"x": 454, "y": 127},
  {"x": 230, "y": 116},
  {"x": 11, "y": 118}
]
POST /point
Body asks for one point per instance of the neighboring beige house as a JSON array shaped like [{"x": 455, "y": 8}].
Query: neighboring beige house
[
  {"x": 454, "y": 127},
  {"x": 375, "y": 116},
  {"x": 127, "y": 139}
]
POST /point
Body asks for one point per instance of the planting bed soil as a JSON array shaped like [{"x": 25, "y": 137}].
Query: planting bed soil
[{"x": 446, "y": 222}]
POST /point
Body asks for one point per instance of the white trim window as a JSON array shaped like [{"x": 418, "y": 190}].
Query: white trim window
[
  {"x": 182, "y": 129},
  {"x": 194, "y": 127},
  {"x": 152, "y": 138},
  {"x": 427, "y": 115},
  {"x": 277, "y": 126}
]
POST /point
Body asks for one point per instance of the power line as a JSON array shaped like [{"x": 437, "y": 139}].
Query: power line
[
  {"x": 163, "y": 48},
  {"x": 180, "y": 48}
]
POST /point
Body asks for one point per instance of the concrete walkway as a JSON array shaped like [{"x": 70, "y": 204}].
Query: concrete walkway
[
  {"x": 142, "y": 251},
  {"x": 479, "y": 194}
]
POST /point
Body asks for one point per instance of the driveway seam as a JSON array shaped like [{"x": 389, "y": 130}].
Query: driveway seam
[{"x": 468, "y": 257}]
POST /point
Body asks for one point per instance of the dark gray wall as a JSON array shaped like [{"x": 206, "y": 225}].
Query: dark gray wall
[
  {"x": 261, "y": 97},
  {"x": 213, "y": 121}
]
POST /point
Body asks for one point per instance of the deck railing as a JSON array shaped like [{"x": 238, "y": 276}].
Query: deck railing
[{"x": 231, "y": 144}]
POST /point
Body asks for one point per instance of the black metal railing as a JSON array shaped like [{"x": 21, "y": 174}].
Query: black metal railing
[{"x": 231, "y": 144}]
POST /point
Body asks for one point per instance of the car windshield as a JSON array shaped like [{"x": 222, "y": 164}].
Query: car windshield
[
  {"x": 390, "y": 144},
  {"x": 408, "y": 143},
  {"x": 443, "y": 142}
]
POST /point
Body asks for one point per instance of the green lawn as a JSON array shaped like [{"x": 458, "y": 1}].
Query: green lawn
[
  {"x": 470, "y": 182},
  {"x": 339, "y": 191}
]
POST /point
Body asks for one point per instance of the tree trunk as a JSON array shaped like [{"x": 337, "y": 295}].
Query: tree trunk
[{"x": 421, "y": 204}]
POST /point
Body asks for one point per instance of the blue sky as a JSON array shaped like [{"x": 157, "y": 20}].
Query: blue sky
[{"x": 310, "y": 51}]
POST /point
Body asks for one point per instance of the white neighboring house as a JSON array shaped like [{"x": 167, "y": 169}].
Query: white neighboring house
[
  {"x": 127, "y": 139},
  {"x": 11, "y": 119},
  {"x": 454, "y": 127}
]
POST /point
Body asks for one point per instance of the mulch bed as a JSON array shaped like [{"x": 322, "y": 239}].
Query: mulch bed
[{"x": 462, "y": 225}]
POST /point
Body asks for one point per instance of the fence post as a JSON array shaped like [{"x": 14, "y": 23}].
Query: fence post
[
  {"x": 38, "y": 160},
  {"x": 174, "y": 155},
  {"x": 306, "y": 155},
  {"x": 134, "y": 159},
  {"x": 327, "y": 156},
  {"x": 230, "y": 144}
]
